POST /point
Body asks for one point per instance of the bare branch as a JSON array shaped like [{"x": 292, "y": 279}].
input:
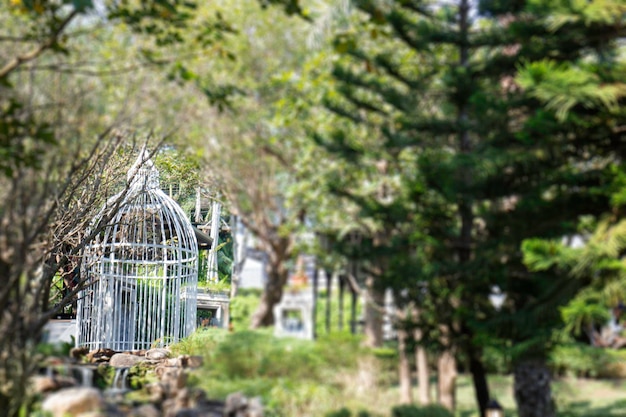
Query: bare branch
[{"x": 39, "y": 49}]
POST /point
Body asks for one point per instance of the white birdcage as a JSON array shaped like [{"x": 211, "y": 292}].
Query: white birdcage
[{"x": 141, "y": 271}]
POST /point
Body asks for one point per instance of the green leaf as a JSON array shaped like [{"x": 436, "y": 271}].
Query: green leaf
[{"x": 82, "y": 5}]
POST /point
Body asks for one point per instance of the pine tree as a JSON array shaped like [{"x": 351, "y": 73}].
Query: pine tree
[{"x": 514, "y": 113}]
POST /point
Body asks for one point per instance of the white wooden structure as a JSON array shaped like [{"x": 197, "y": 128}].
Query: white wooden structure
[
  {"x": 141, "y": 271},
  {"x": 293, "y": 316},
  {"x": 218, "y": 303}
]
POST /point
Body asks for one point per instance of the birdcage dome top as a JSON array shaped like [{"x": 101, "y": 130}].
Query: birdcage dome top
[{"x": 146, "y": 217}]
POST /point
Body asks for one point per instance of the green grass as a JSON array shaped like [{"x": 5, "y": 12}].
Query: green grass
[
  {"x": 574, "y": 397},
  {"x": 302, "y": 378}
]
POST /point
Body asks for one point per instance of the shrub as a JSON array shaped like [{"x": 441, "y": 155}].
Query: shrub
[
  {"x": 342, "y": 412},
  {"x": 203, "y": 342},
  {"x": 242, "y": 307},
  {"x": 581, "y": 360},
  {"x": 339, "y": 349},
  {"x": 248, "y": 354},
  {"x": 615, "y": 367},
  {"x": 432, "y": 410}
]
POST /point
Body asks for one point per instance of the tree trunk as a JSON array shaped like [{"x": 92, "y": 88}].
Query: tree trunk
[
  {"x": 421, "y": 365},
  {"x": 342, "y": 286},
  {"x": 239, "y": 235},
  {"x": 277, "y": 275},
  {"x": 272, "y": 294},
  {"x": 479, "y": 375},
  {"x": 235, "y": 278},
  {"x": 446, "y": 379},
  {"x": 404, "y": 367},
  {"x": 329, "y": 289},
  {"x": 374, "y": 305},
  {"x": 197, "y": 216},
  {"x": 316, "y": 275},
  {"x": 532, "y": 389},
  {"x": 481, "y": 389},
  {"x": 423, "y": 377}
]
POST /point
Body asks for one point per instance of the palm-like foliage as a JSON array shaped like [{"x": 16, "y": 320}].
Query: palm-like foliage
[{"x": 599, "y": 269}]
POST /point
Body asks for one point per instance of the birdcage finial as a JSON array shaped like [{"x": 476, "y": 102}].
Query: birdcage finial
[{"x": 143, "y": 174}]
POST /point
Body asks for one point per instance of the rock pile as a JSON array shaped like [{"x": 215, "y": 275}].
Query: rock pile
[{"x": 69, "y": 388}]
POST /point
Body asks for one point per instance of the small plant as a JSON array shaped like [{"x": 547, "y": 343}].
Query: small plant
[
  {"x": 140, "y": 375},
  {"x": 55, "y": 349},
  {"x": 222, "y": 286},
  {"x": 432, "y": 410},
  {"x": 104, "y": 376},
  {"x": 342, "y": 412},
  {"x": 581, "y": 360}
]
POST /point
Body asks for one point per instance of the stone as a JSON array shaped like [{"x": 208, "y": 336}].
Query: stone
[
  {"x": 157, "y": 391},
  {"x": 146, "y": 410},
  {"x": 79, "y": 352},
  {"x": 172, "y": 378},
  {"x": 188, "y": 412},
  {"x": 109, "y": 410},
  {"x": 235, "y": 402},
  {"x": 196, "y": 396},
  {"x": 49, "y": 383},
  {"x": 44, "y": 384},
  {"x": 183, "y": 398},
  {"x": 237, "y": 405},
  {"x": 100, "y": 355},
  {"x": 191, "y": 361},
  {"x": 173, "y": 362},
  {"x": 54, "y": 361},
  {"x": 158, "y": 354},
  {"x": 125, "y": 360},
  {"x": 160, "y": 370},
  {"x": 169, "y": 407},
  {"x": 71, "y": 402},
  {"x": 255, "y": 407},
  {"x": 212, "y": 408}
]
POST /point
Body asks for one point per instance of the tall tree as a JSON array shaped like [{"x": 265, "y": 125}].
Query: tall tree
[{"x": 249, "y": 159}]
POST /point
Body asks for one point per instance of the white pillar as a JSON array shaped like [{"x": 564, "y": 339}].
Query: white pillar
[{"x": 216, "y": 208}]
